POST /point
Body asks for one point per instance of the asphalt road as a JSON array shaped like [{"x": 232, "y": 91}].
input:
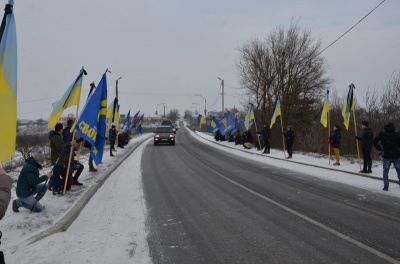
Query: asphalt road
[{"x": 206, "y": 206}]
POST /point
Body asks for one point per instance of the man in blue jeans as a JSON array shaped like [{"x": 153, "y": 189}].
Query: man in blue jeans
[
  {"x": 390, "y": 140},
  {"x": 30, "y": 183}
]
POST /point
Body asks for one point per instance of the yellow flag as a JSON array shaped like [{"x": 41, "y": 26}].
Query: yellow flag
[
  {"x": 348, "y": 106},
  {"x": 8, "y": 85},
  {"x": 277, "y": 113},
  {"x": 71, "y": 97},
  {"x": 325, "y": 110}
]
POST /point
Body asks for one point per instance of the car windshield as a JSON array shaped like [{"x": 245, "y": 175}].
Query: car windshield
[{"x": 164, "y": 130}]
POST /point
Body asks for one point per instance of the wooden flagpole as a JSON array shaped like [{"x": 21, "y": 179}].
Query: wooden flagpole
[
  {"x": 355, "y": 129},
  {"x": 72, "y": 146}
]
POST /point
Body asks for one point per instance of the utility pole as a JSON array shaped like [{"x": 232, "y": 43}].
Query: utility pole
[
  {"x": 164, "y": 111},
  {"x": 222, "y": 84},
  {"x": 117, "y": 125}
]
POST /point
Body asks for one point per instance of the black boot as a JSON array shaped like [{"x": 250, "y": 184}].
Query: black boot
[{"x": 75, "y": 182}]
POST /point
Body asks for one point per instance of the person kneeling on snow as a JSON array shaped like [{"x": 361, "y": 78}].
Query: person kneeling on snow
[{"x": 29, "y": 184}]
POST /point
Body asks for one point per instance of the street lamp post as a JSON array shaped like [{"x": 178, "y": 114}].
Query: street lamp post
[
  {"x": 198, "y": 105},
  {"x": 205, "y": 104},
  {"x": 222, "y": 84},
  {"x": 157, "y": 107}
]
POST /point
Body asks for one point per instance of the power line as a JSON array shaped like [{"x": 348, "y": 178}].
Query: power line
[
  {"x": 351, "y": 27},
  {"x": 233, "y": 87}
]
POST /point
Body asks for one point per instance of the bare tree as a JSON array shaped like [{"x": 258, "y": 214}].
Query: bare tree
[
  {"x": 173, "y": 115},
  {"x": 26, "y": 144},
  {"x": 285, "y": 65}
]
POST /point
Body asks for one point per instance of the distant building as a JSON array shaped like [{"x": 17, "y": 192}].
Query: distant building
[{"x": 151, "y": 119}]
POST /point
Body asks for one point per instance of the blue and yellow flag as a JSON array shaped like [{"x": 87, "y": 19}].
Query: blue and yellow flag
[
  {"x": 8, "y": 84},
  {"x": 116, "y": 117},
  {"x": 236, "y": 125},
  {"x": 135, "y": 119},
  {"x": 91, "y": 124},
  {"x": 128, "y": 121},
  {"x": 226, "y": 124},
  {"x": 200, "y": 120},
  {"x": 139, "y": 124},
  {"x": 71, "y": 97},
  {"x": 325, "y": 110},
  {"x": 348, "y": 106},
  {"x": 214, "y": 125},
  {"x": 249, "y": 119},
  {"x": 244, "y": 127},
  {"x": 110, "y": 110},
  {"x": 277, "y": 113}
]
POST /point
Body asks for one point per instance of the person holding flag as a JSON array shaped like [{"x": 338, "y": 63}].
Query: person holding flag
[
  {"x": 30, "y": 183},
  {"x": 334, "y": 141},
  {"x": 266, "y": 136},
  {"x": 367, "y": 138},
  {"x": 59, "y": 157}
]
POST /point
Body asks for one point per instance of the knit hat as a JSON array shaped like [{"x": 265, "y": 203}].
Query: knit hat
[{"x": 38, "y": 157}]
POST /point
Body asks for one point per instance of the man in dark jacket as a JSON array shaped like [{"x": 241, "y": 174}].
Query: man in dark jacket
[
  {"x": 289, "y": 141},
  {"x": 112, "y": 135},
  {"x": 59, "y": 157},
  {"x": 334, "y": 140},
  {"x": 266, "y": 136},
  {"x": 390, "y": 141},
  {"x": 366, "y": 139},
  {"x": 29, "y": 184}
]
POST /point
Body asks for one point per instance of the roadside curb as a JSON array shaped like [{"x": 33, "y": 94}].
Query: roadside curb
[
  {"x": 298, "y": 162},
  {"x": 66, "y": 221}
]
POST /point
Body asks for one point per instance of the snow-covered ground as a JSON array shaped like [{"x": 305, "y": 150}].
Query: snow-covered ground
[{"x": 112, "y": 229}]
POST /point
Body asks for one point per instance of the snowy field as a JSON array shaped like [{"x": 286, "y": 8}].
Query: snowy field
[{"x": 112, "y": 228}]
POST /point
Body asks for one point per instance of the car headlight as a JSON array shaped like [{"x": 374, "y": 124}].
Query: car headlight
[
  {"x": 157, "y": 136},
  {"x": 171, "y": 136}
]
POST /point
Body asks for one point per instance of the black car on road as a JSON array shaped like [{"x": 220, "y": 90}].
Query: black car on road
[{"x": 164, "y": 134}]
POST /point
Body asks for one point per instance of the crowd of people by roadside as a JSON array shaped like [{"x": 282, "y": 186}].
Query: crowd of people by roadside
[
  {"x": 387, "y": 143},
  {"x": 65, "y": 172}
]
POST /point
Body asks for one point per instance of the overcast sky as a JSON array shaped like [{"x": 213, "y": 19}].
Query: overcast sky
[{"x": 169, "y": 51}]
